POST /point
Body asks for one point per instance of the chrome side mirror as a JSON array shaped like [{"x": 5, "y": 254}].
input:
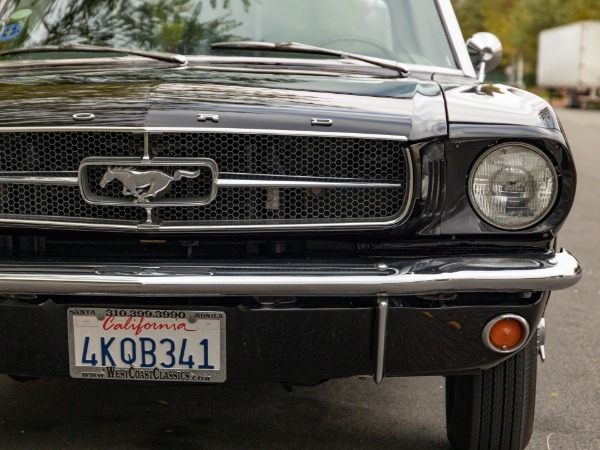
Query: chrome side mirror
[{"x": 485, "y": 51}]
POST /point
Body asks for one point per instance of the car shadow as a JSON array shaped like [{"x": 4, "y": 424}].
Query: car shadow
[{"x": 347, "y": 414}]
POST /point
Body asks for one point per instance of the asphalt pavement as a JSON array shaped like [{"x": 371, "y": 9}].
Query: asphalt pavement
[
  {"x": 568, "y": 397},
  {"x": 403, "y": 413}
]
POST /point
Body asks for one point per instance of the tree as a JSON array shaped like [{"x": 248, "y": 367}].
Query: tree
[
  {"x": 530, "y": 17},
  {"x": 517, "y": 23},
  {"x": 169, "y": 25}
]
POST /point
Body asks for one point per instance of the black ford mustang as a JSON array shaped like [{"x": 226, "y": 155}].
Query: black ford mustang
[{"x": 210, "y": 191}]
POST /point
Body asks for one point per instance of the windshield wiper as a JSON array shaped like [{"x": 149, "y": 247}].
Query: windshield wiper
[
  {"x": 295, "y": 47},
  {"x": 159, "y": 56}
]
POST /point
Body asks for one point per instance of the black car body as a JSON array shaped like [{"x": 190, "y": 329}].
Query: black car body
[{"x": 320, "y": 215}]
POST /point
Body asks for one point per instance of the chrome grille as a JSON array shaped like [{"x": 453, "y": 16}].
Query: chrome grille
[{"x": 264, "y": 179}]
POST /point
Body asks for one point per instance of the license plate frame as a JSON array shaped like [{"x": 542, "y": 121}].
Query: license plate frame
[{"x": 173, "y": 336}]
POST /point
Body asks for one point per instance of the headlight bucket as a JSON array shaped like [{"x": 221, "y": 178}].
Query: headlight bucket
[{"x": 513, "y": 186}]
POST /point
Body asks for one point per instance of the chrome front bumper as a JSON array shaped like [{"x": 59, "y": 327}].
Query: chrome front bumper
[{"x": 551, "y": 271}]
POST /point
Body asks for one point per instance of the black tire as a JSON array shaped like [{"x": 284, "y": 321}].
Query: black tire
[{"x": 494, "y": 410}]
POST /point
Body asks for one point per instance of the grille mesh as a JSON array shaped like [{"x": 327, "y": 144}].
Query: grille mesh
[
  {"x": 290, "y": 205},
  {"x": 288, "y": 155},
  {"x": 248, "y": 155},
  {"x": 54, "y": 202},
  {"x": 63, "y": 151}
]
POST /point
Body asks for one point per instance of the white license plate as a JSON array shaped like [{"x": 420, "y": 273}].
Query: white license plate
[{"x": 147, "y": 344}]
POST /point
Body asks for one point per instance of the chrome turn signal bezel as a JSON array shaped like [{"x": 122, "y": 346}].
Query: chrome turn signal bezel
[{"x": 485, "y": 334}]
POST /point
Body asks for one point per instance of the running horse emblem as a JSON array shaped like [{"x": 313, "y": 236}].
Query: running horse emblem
[{"x": 144, "y": 185}]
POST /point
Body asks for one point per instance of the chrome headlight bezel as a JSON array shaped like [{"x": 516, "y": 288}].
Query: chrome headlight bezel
[{"x": 491, "y": 220}]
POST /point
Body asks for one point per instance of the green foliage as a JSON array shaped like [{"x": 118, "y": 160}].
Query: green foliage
[
  {"x": 168, "y": 25},
  {"x": 518, "y": 22}
]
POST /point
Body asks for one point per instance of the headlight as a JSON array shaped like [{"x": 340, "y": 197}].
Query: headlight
[{"x": 513, "y": 186}]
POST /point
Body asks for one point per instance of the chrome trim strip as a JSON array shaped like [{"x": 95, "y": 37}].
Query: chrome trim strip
[
  {"x": 146, "y": 156},
  {"x": 456, "y": 38},
  {"x": 258, "y": 183},
  {"x": 174, "y": 227},
  {"x": 382, "y": 314},
  {"x": 409, "y": 277},
  {"x": 33, "y": 179},
  {"x": 221, "y": 182},
  {"x": 69, "y": 223},
  {"x": 387, "y": 137}
]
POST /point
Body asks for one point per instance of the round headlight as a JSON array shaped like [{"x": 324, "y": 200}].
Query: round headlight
[{"x": 513, "y": 186}]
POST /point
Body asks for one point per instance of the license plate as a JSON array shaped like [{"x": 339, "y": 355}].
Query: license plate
[{"x": 147, "y": 344}]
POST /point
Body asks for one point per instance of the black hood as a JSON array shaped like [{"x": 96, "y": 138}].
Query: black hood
[
  {"x": 494, "y": 104},
  {"x": 174, "y": 98}
]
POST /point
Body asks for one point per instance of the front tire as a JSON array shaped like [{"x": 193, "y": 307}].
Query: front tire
[{"x": 494, "y": 410}]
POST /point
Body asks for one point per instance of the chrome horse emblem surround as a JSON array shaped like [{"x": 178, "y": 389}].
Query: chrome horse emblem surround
[
  {"x": 144, "y": 185},
  {"x": 146, "y": 181}
]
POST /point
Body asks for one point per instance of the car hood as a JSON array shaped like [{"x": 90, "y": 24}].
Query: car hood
[
  {"x": 174, "y": 98},
  {"x": 471, "y": 103}
]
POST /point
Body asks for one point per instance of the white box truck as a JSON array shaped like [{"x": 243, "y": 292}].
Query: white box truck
[{"x": 569, "y": 60}]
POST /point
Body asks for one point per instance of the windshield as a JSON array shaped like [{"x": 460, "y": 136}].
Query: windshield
[{"x": 409, "y": 31}]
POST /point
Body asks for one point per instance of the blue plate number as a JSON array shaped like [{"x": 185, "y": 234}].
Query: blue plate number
[{"x": 143, "y": 353}]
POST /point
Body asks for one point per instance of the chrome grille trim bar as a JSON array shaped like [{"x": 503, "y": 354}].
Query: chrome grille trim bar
[
  {"x": 183, "y": 227},
  {"x": 230, "y": 182},
  {"x": 33, "y": 179},
  {"x": 551, "y": 271},
  {"x": 387, "y": 137},
  {"x": 246, "y": 183}
]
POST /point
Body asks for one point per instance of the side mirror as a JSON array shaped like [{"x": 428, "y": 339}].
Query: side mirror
[{"x": 485, "y": 51}]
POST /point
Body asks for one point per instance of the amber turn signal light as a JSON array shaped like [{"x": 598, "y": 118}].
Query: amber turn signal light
[{"x": 506, "y": 333}]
